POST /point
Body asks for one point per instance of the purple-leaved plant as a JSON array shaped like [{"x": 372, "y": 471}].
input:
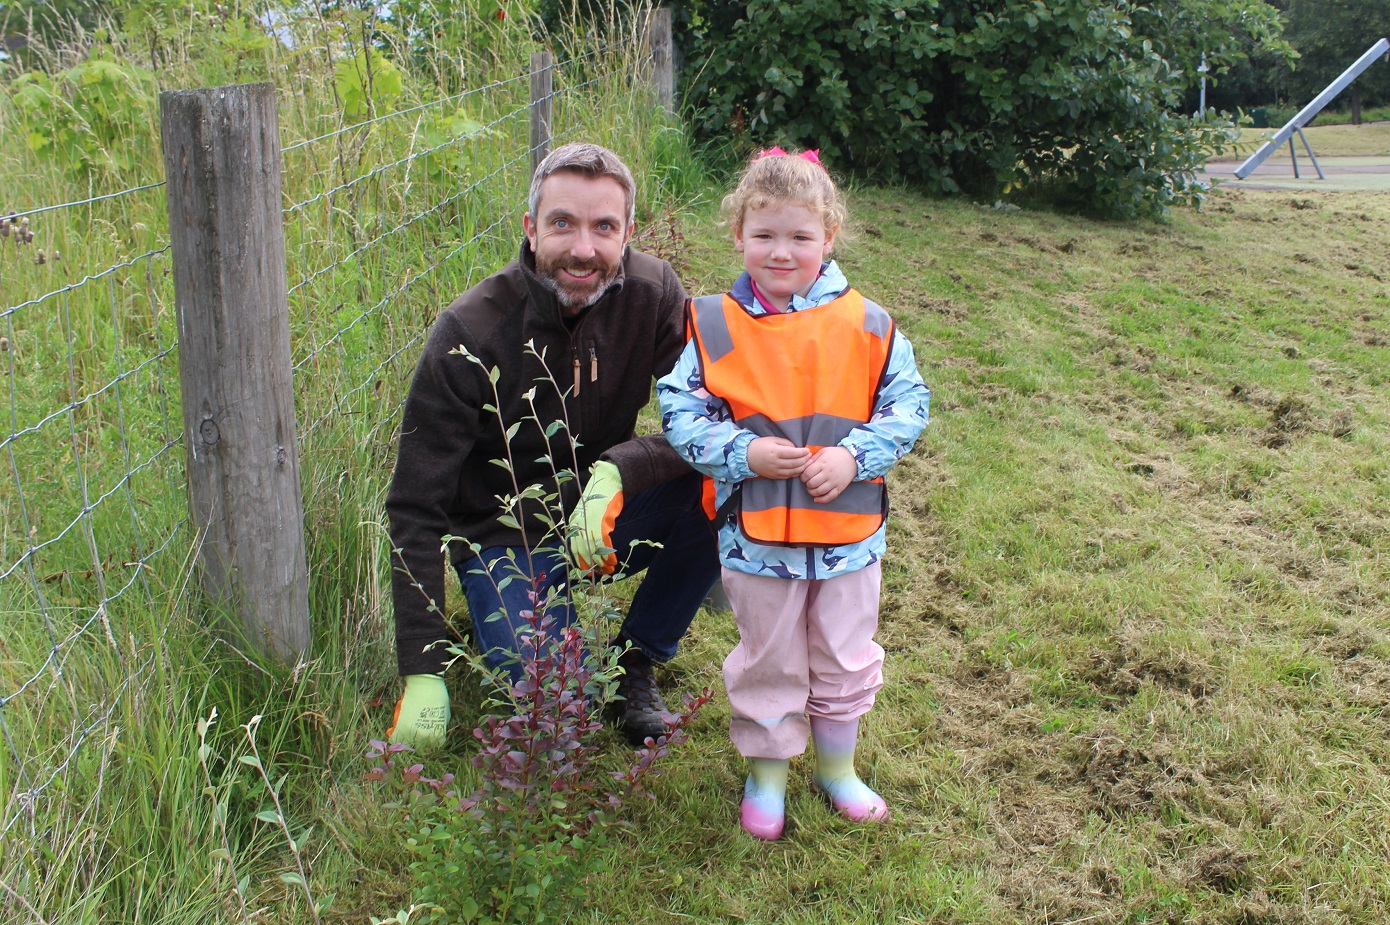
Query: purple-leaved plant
[{"x": 517, "y": 848}]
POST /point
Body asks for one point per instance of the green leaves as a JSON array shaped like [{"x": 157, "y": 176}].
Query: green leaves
[
  {"x": 368, "y": 83},
  {"x": 447, "y": 137},
  {"x": 1070, "y": 97},
  {"x": 91, "y": 117}
]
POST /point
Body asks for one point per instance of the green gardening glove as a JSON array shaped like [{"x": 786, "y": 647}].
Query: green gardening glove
[
  {"x": 422, "y": 713},
  {"x": 591, "y": 524}
]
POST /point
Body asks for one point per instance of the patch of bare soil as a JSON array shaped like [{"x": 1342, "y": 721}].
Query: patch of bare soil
[
  {"x": 947, "y": 308},
  {"x": 1290, "y": 415}
]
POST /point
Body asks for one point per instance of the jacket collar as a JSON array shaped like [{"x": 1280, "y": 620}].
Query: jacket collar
[{"x": 830, "y": 285}]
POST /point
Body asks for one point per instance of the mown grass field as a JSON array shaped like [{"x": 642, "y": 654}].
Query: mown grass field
[{"x": 1137, "y": 591}]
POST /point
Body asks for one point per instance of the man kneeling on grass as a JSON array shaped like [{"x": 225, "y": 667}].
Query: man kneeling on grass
[{"x": 575, "y": 330}]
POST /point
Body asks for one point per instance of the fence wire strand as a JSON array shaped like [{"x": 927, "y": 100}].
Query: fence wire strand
[
  {"x": 392, "y": 294},
  {"x": 39, "y": 210},
  {"x": 81, "y": 522},
  {"x": 387, "y": 168},
  {"x": 396, "y": 114},
  {"x": 432, "y": 211}
]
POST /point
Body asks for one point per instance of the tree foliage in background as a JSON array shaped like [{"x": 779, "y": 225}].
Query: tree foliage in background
[
  {"x": 42, "y": 23},
  {"x": 1072, "y": 97},
  {"x": 1330, "y": 35}
]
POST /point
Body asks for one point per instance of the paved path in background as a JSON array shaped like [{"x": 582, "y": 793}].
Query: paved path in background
[{"x": 1343, "y": 174}]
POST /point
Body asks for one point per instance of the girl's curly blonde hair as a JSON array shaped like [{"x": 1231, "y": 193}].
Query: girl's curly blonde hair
[{"x": 786, "y": 179}]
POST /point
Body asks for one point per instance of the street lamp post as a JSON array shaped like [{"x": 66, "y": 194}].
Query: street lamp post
[{"x": 1202, "y": 100}]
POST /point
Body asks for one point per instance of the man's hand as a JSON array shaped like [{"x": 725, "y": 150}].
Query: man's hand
[
  {"x": 591, "y": 524},
  {"x": 829, "y": 472},
  {"x": 777, "y": 458},
  {"x": 422, "y": 713}
]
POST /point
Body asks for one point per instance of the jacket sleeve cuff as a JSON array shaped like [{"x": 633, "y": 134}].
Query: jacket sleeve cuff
[
  {"x": 739, "y": 469},
  {"x": 646, "y": 462},
  {"x": 417, "y": 656}
]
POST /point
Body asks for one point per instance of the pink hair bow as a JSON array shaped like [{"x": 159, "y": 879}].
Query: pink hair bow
[{"x": 812, "y": 156}]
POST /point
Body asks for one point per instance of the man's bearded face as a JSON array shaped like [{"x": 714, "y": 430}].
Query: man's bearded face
[{"x": 578, "y": 236}]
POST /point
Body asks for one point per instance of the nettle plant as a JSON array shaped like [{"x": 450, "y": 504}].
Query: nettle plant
[{"x": 517, "y": 848}]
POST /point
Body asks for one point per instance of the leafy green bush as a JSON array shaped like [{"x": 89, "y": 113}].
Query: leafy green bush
[
  {"x": 94, "y": 118},
  {"x": 367, "y": 83},
  {"x": 980, "y": 97}
]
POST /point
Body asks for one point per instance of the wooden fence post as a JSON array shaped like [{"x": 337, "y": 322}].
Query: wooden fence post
[
  {"x": 226, "y": 232},
  {"x": 542, "y": 69},
  {"x": 659, "y": 41}
]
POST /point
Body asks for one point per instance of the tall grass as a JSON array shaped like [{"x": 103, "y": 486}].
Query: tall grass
[{"x": 112, "y": 811}]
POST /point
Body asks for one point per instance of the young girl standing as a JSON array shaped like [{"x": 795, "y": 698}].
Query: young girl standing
[{"x": 796, "y": 395}]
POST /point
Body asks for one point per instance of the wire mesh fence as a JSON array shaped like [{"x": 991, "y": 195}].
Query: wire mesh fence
[
  {"x": 92, "y": 502},
  {"x": 386, "y": 220}
]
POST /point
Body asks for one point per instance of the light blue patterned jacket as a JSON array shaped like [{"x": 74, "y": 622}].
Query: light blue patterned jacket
[{"x": 701, "y": 429}]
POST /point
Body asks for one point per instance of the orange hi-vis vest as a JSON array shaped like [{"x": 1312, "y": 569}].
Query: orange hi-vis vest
[{"x": 810, "y": 376}]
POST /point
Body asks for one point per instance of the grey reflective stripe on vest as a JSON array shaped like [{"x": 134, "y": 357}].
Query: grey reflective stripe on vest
[
  {"x": 876, "y": 320},
  {"x": 708, "y": 312},
  {"x": 811, "y": 430},
  {"x": 765, "y": 494}
]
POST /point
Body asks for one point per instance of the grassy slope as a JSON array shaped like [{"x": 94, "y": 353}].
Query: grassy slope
[
  {"x": 1136, "y": 595},
  {"x": 1365, "y": 140}
]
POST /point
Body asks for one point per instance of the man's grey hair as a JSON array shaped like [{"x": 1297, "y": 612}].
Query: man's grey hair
[{"x": 590, "y": 160}]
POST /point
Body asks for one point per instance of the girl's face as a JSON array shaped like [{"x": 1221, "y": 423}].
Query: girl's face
[{"x": 783, "y": 247}]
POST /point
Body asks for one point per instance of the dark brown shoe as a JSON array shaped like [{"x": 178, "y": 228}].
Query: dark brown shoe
[{"x": 641, "y": 712}]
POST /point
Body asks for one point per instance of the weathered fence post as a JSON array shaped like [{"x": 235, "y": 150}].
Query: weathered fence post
[
  {"x": 226, "y": 232},
  {"x": 659, "y": 41},
  {"x": 542, "y": 69}
]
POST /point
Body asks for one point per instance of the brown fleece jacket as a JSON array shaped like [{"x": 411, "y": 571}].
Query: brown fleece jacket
[{"x": 571, "y": 396}]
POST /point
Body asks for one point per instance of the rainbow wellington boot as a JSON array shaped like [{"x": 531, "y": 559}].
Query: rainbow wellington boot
[
  {"x": 763, "y": 812},
  {"x": 834, "y": 774}
]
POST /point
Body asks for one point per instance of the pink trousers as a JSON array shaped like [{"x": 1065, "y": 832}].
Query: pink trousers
[{"x": 806, "y": 648}]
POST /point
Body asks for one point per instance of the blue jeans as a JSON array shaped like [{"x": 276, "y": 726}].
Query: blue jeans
[{"x": 679, "y": 575}]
